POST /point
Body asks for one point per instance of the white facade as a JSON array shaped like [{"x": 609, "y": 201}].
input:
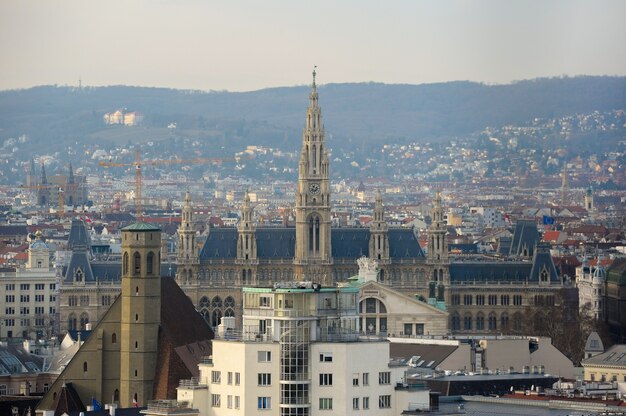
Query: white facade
[
  {"x": 28, "y": 297},
  {"x": 299, "y": 354},
  {"x": 590, "y": 283}
]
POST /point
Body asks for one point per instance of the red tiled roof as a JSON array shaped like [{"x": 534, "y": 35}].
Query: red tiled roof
[{"x": 551, "y": 235}]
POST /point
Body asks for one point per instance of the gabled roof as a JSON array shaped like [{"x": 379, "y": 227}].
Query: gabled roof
[
  {"x": 525, "y": 237},
  {"x": 79, "y": 263},
  {"x": 542, "y": 261},
  {"x": 68, "y": 401},
  {"x": 79, "y": 237},
  {"x": 613, "y": 357}
]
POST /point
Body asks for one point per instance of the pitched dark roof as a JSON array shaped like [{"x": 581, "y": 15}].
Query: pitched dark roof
[
  {"x": 141, "y": 226},
  {"x": 79, "y": 237},
  {"x": 280, "y": 243},
  {"x": 525, "y": 237},
  {"x": 490, "y": 271},
  {"x": 12, "y": 230},
  {"x": 68, "y": 401},
  {"x": 79, "y": 261},
  {"x": 543, "y": 261}
]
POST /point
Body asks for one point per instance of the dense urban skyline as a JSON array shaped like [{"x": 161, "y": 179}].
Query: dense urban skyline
[{"x": 247, "y": 46}]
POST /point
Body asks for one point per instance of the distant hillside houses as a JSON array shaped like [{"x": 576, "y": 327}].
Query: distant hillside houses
[{"x": 120, "y": 116}]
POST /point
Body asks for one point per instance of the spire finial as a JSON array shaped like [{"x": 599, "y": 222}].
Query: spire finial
[{"x": 314, "y": 73}]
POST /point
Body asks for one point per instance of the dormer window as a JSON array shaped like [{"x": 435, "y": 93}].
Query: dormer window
[
  {"x": 544, "y": 275},
  {"x": 78, "y": 275}
]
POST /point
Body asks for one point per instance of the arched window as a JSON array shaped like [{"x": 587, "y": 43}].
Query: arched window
[
  {"x": 150, "y": 263},
  {"x": 114, "y": 338},
  {"x": 216, "y": 317},
  {"x": 84, "y": 320},
  {"x": 229, "y": 302},
  {"x": 125, "y": 264},
  {"x": 116, "y": 395},
  {"x": 71, "y": 322},
  {"x": 504, "y": 321},
  {"x": 467, "y": 322},
  {"x": 480, "y": 321},
  {"x": 85, "y": 366},
  {"x": 493, "y": 322},
  {"x": 204, "y": 302},
  {"x": 78, "y": 275},
  {"x": 136, "y": 263},
  {"x": 216, "y": 302},
  {"x": 455, "y": 322}
]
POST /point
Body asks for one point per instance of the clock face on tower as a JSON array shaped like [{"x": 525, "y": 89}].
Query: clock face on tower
[{"x": 314, "y": 188}]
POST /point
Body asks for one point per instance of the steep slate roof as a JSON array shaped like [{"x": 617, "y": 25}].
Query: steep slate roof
[
  {"x": 525, "y": 236},
  {"x": 348, "y": 242},
  {"x": 489, "y": 271},
  {"x": 79, "y": 237},
  {"x": 542, "y": 260},
  {"x": 68, "y": 401},
  {"x": 79, "y": 261}
]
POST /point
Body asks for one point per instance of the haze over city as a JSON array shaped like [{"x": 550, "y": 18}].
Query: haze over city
[{"x": 241, "y": 46}]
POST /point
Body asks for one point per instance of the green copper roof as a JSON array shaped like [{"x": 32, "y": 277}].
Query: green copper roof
[{"x": 141, "y": 226}]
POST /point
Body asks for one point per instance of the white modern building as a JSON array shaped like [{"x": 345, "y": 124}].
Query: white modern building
[
  {"x": 28, "y": 296},
  {"x": 300, "y": 353}
]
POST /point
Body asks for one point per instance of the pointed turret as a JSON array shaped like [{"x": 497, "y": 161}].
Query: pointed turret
[
  {"x": 246, "y": 243},
  {"x": 187, "y": 258},
  {"x": 70, "y": 176},
  {"x": 379, "y": 238}
]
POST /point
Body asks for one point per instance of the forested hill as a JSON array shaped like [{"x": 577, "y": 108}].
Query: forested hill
[{"x": 365, "y": 112}]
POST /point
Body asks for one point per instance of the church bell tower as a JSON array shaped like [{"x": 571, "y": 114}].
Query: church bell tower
[
  {"x": 187, "y": 260},
  {"x": 312, "y": 258},
  {"x": 141, "y": 312}
]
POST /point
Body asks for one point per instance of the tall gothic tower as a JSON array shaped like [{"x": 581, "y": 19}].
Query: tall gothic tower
[
  {"x": 312, "y": 258},
  {"x": 141, "y": 312},
  {"x": 437, "y": 244},
  {"x": 246, "y": 244},
  {"x": 379, "y": 238},
  {"x": 564, "y": 185},
  {"x": 187, "y": 260},
  {"x": 43, "y": 192}
]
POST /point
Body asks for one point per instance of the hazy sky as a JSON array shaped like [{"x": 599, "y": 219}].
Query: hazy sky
[{"x": 240, "y": 46}]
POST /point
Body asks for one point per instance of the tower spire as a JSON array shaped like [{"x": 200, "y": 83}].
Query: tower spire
[
  {"x": 70, "y": 178},
  {"x": 564, "y": 185}
]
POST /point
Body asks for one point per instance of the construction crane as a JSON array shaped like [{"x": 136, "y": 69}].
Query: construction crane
[{"x": 138, "y": 163}]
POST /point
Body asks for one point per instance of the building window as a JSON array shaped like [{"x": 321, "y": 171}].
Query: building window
[
  {"x": 467, "y": 322},
  {"x": 455, "y": 322},
  {"x": 150, "y": 263},
  {"x": 326, "y": 357},
  {"x": 366, "y": 379},
  {"x": 136, "y": 263},
  {"x": 85, "y": 366},
  {"x": 237, "y": 379},
  {"x": 125, "y": 264},
  {"x": 467, "y": 299},
  {"x": 480, "y": 322},
  {"x": 10, "y": 298},
  {"x": 384, "y": 401},
  {"x": 326, "y": 379},
  {"x": 24, "y": 286},
  {"x": 265, "y": 379},
  {"x": 39, "y": 286},
  {"x": 384, "y": 377},
  {"x": 237, "y": 400},
  {"x": 517, "y": 300},
  {"x": 504, "y": 300},
  {"x": 264, "y": 402},
  {"x": 229, "y": 379},
  {"x": 216, "y": 400},
  {"x": 265, "y": 356},
  {"x": 355, "y": 379},
  {"x": 550, "y": 300},
  {"x": 366, "y": 403},
  {"x": 456, "y": 299},
  {"x": 493, "y": 322},
  {"x": 25, "y": 298},
  {"x": 10, "y": 286},
  {"x": 326, "y": 403},
  {"x": 265, "y": 302},
  {"x": 493, "y": 299},
  {"x": 408, "y": 329},
  {"x": 504, "y": 321},
  {"x": 114, "y": 338},
  {"x": 229, "y": 401},
  {"x": 216, "y": 377},
  {"x": 355, "y": 403},
  {"x": 3, "y": 389}
]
